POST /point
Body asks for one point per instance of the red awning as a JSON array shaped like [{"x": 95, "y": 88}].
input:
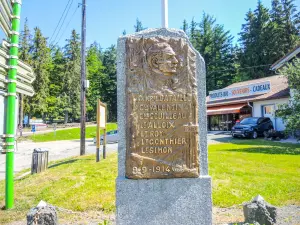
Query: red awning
[{"x": 225, "y": 109}]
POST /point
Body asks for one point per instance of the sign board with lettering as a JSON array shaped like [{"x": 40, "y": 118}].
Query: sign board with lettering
[
  {"x": 242, "y": 91},
  {"x": 24, "y": 72},
  {"x": 162, "y": 109},
  {"x": 102, "y": 115},
  {"x": 33, "y": 128}
]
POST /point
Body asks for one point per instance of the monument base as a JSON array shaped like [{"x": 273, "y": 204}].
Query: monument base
[{"x": 164, "y": 201}]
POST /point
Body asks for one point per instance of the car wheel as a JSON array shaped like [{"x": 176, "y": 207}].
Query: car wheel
[
  {"x": 254, "y": 135},
  {"x": 233, "y": 135}
]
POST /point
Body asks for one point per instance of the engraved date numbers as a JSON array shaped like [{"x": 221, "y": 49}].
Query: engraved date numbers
[{"x": 154, "y": 169}]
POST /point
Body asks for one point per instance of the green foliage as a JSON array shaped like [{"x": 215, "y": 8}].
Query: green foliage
[
  {"x": 41, "y": 63},
  {"x": 71, "y": 81},
  {"x": 78, "y": 184},
  {"x": 290, "y": 113},
  {"x": 97, "y": 79},
  {"x": 266, "y": 36},
  {"x": 139, "y": 26},
  {"x": 109, "y": 94},
  {"x": 239, "y": 172},
  {"x": 215, "y": 45}
]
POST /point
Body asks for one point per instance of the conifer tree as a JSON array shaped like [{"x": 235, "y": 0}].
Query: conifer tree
[
  {"x": 41, "y": 63},
  {"x": 254, "y": 43},
  {"x": 70, "y": 97},
  {"x": 25, "y": 56},
  {"x": 138, "y": 26},
  {"x": 215, "y": 46},
  {"x": 110, "y": 94},
  {"x": 97, "y": 79}
]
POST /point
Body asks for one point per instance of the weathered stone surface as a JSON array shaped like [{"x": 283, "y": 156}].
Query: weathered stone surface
[
  {"x": 259, "y": 211},
  {"x": 43, "y": 214},
  {"x": 163, "y": 201},
  {"x": 162, "y": 108}
]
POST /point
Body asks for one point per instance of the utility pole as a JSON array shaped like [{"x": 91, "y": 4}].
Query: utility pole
[{"x": 83, "y": 80}]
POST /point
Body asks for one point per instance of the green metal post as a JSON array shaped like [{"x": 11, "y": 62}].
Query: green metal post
[{"x": 11, "y": 105}]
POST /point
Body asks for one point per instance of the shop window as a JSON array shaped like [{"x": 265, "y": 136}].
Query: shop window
[{"x": 268, "y": 109}]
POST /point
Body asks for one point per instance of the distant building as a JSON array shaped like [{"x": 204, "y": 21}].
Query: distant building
[{"x": 256, "y": 98}]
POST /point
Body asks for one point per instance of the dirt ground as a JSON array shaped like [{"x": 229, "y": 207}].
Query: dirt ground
[{"x": 288, "y": 215}]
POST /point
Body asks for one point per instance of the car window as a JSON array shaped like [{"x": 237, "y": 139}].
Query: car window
[
  {"x": 260, "y": 120},
  {"x": 249, "y": 120}
]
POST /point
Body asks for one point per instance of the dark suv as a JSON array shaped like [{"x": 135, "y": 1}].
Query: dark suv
[{"x": 252, "y": 127}]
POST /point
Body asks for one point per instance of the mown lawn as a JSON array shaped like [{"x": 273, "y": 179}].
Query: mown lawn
[
  {"x": 69, "y": 134},
  {"x": 239, "y": 171}
]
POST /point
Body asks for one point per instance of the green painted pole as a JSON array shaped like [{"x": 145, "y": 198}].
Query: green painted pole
[{"x": 11, "y": 105}]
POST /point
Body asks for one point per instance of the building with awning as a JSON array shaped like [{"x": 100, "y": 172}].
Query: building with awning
[{"x": 257, "y": 98}]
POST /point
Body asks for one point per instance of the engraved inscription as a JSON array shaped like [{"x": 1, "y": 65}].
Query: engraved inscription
[{"x": 162, "y": 109}]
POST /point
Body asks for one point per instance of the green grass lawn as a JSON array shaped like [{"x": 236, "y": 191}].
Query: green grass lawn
[
  {"x": 69, "y": 134},
  {"x": 239, "y": 171}
]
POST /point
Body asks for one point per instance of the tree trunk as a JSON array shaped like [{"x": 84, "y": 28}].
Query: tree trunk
[{"x": 66, "y": 117}]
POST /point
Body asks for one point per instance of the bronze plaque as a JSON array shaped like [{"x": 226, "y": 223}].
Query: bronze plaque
[{"x": 162, "y": 109}]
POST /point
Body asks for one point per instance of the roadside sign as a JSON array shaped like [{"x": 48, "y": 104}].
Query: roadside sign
[
  {"x": 33, "y": 128},
  {"x": 24, "y": 72},
  {"x": 5, "y": 17},
  {"x": 102, "y": 115},
  {"x": 25, "y": 120},
  {"x": 101, "y": 124}
]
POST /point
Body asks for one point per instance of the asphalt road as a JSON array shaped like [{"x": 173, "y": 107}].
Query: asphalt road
[
  {"x": 64, "y": 149},
  {"x": 57, "y": 150}
]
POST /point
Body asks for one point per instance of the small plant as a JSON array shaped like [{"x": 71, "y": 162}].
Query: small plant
[{"x": 105, "y": 222}]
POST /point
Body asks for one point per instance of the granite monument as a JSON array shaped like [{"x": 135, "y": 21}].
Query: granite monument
[{"x": 162, "y": 174}]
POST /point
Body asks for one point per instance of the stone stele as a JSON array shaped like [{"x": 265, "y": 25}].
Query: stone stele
[{"x": 162, "y": 174}]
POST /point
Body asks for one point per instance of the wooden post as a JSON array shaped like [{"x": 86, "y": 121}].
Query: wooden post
[
  {"x": 98, "y": 133},
  {"x": 83, "y": 82},
  {"x": 104, "y": 135},
  {"x": 104, "y": 144}
]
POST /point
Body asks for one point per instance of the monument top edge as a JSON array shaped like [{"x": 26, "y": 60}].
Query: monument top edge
[{"x": 157, "y": 32}]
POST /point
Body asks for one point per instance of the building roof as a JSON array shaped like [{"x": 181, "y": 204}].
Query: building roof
[
  {"x": 279, "y": 89},
  {"x": 279, "y": 63}
]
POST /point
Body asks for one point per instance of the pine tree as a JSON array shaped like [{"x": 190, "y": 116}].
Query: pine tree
[
  {"x": 267, "y": 36},
  {"x": 254, "y": 43},
  {"x": 41, "y": 62},
  {"x": 70, "y": 97},
  {"x": 97, "y": 79},
  {"x": 139, "y": 26},
  {"x": 25, "y": 56},
  {"x": 110, "y": 94},
  {"x": 56, "y": 84},
  {"x": 291, "y": 24},
  {"x": 215, "y": 46},
  {"x": 185, "y": 26},
  {"x": 194, "y": 33}
]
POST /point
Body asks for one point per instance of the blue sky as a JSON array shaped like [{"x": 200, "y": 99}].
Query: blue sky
[{"x": 106, "y": 19}]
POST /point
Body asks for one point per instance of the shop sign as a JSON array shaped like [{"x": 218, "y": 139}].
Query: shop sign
[{"x": 242, "y": 91}]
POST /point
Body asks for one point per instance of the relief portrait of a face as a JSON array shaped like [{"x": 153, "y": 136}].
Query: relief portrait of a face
[{"x": 162, "y": 59}]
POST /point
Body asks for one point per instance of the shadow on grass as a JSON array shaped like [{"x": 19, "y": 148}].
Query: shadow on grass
[
  {"x": 268, "y": 150},
  {"x": 67, "y": 162}
]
